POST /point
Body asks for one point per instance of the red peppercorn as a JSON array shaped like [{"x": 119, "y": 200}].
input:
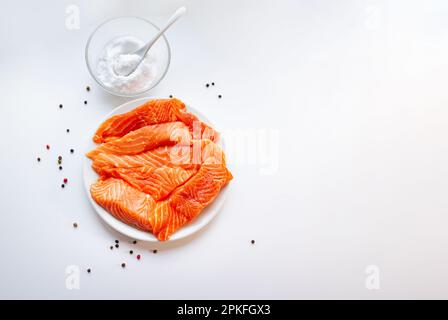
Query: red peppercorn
[
  {"x": 48, "y": 147},
  {"x": 138, "y": 257},
  {"x": 65, "y": 180}
]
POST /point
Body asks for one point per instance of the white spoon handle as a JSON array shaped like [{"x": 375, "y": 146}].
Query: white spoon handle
[{"x": 179, "y": 13}]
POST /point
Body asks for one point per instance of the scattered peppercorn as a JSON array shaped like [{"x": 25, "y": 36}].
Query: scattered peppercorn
[
  {"x": 207, "y": 85},
  {"x": 253, "y": 242},
  {"x": 48, "y": 147},
  {"x": 75, "y": 225},
  {"x": 88, "y": 270},
  {"x": 60, "y": 158},
  {"x": 85, "y": 101},
  {"x": 138, "y": 257},
  {"x": 62, "y": 185},
  {"x": 88, "y": 88},
  {"x": 219, "y": 96},
  {"x": 154, "y": 251},
  {"x": 134, "y": 242},
  {"x": 111, "y": 247},
  {"x": 123, "y": 265},
  {"x": 116, "y": 241},
  {"x": 131, "y": 252},
  {"x": 60, "y": 106},
  {"x": 213, "y": 83},
  {"x": 171, "y": 95},
  {"x": 60, "y": 167},
  {"x": 68, "y": 130},
  {"x": 65, "y": 180},
  {"x": 71, "y": 150},
  {"x": 38, "y": 159},
  {"x": 117, "y": 246}
]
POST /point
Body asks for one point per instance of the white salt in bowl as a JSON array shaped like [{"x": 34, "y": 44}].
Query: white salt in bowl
[{"x": 127, "y": 27}]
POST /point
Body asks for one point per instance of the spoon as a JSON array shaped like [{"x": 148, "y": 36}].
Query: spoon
[{"x": 141, "y": 52}]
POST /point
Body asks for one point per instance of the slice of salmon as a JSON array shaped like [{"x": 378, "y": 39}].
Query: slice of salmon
[
  {"x": 143, "y": 139},
  {"x": 170, "y": 156},
  {"x": 151, "y": 112},
  {"x": 157, "y": 182},
  {"x": 189, "y": 199},
  {"x": 124, "y": 202},
  {"x": 133, "y": 207},
  {"x": 154, "y": 111}
]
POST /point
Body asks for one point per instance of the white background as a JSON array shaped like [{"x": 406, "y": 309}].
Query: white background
[{"x": 357, "y": 90}]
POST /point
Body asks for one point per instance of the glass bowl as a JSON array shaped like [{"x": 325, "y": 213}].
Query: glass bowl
[{"x": 127, "y": 26}]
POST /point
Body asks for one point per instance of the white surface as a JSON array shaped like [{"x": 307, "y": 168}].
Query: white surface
[
  {"x": 206, "y": 216},
  {"x": 357, "y": 90}
]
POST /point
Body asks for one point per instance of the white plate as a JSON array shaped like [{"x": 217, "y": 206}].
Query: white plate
[{"x": 90, "y": 176}]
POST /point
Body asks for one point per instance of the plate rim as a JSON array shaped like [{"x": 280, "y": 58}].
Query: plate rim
[{"x": 200, "y": 222}]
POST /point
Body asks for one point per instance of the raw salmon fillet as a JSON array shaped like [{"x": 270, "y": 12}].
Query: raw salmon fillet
[
  {"x": 158, "y": 167},
  {"x": 157, "y": 182},
  {"x": 145, "y": 138},
  {"x": 191, "y": 198},
  {"x": 152, "y": 112},
  {"x": 124, "y": 202},
  {"x": 172, "y": 156}
]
